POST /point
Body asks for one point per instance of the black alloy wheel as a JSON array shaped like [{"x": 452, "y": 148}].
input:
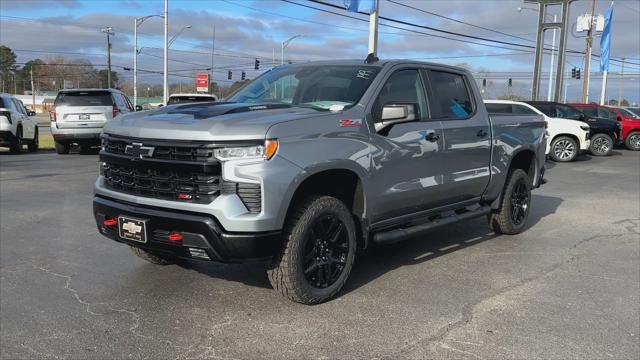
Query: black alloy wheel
[
  {"x": 519, "y": 202},
  {"x": 325, "y": 251}
]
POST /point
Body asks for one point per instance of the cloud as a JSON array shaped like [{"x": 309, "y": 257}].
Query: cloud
[{"x": 38, "y": 4}]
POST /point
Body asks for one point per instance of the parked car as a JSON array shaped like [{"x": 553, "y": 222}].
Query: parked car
[
  {"x": 630, "y": 123},
  {"x": 17, "y": 127},
  {"x": 372, "y": 152},
  {"x": 566, "y": 138},
  {"x": 604, "y": 133},
  {"x": 190, "y": 98},
  {"x": 634, "y": 110},
  {"x": 78, "y": 116}
]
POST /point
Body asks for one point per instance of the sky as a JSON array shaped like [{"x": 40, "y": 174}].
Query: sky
[{"x": 250, "y": 29}]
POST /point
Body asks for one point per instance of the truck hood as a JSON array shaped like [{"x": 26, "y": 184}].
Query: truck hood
[{"x": 208, "y": 121}]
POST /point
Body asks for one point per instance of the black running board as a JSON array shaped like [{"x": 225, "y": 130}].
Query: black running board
[{"x": 393, "y": 236}]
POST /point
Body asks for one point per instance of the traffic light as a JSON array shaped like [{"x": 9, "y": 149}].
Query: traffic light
[
  {"x": 573, "y": 73},
  {"x": 229, "y": 74},
  {"x": 510, "y": 82},
  {"x": 578, "y": 74},
  {"x": 256, "y": 66},
  {"x": 242, "y": 75}
]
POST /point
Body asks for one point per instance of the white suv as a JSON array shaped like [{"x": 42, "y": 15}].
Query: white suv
[
  {"x": 17, "y": 128},
  {"x": 567, "y": 138},
  {"x": 78, "y": 116}
]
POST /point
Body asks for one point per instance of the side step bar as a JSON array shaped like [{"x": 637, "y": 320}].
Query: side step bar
[{"x": 393, "y": 236}]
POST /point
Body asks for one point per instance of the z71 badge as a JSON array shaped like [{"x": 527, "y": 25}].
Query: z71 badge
[{"x": 350, "y": 122}]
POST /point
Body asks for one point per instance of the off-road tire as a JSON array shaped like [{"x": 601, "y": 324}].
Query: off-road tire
[
  {"x": 563, "y": 149},
  {"x": 16, "y": 145},
  {"x": 501, "y": 220},
  {"x": 632, "y": 142},
  {"x": 33, "y": 144},
  {"x": 150, "y": 257},
  {"x": 286, "y": 270},
  {"x": 62, "y": 148},
  {"x": 601, "y": 145}
]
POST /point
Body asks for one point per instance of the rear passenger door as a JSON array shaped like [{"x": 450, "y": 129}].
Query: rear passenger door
[{"x": 467, "y": 135}]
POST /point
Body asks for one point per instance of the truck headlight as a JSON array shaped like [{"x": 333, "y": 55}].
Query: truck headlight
[{"x": 265, "y": 151}]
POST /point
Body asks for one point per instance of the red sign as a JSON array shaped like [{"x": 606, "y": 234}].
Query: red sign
[{"x": 202, "y": 82}]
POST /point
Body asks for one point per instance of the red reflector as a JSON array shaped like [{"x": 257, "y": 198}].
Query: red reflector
[
  {"x": 175, "y": 237},
  {"x": 185, "y": 196},
  {"x": 110, "y": 222}
]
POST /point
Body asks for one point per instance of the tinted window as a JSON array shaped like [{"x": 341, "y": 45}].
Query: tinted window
[
  {"x": 188, "y": 99},
  {"x": 317, "y": 86},
  {"x": 624, "y": 112},
  {"x": 499, "y": 108},
  {"x": 567, "y": 112},
  {"x": 523, "y": 110},
  {"x": 402, "y": 87},
  {"x": 84, "y": 98},
  {"x": 451, "y": 96},
  {"x": 2, "y": 103},
  {"x": 589, "y": 111},
  {"x": 548, "y": 110},
  {"x": 18, "y": 105}
]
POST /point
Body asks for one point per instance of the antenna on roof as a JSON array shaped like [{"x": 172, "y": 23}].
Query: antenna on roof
[{"x": 371, "y": 58}]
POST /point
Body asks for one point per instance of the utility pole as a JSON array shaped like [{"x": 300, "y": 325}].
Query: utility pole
[
  {"x": 109, "y": 32},
  {"x": 135, "y": 63},
  {"x": 373, "y": 30},
  {"x": 587, "y": 61},
  {"x": 165, "y": 67},
  {"x": 621, "y": 84},
  {"x": 553, "y": 45},
  {"x": 213, "y": 50},
  {"x": 33, "y": 90}
]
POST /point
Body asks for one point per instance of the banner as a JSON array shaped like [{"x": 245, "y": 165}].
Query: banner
[
  {"x": 605, "y": 40},
  {"x": 367, "y": 6}
]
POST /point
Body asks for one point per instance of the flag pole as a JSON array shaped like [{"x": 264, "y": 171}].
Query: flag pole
[
  {"x": 604, "y": 87},
  {"x": 373, "y": 30}
]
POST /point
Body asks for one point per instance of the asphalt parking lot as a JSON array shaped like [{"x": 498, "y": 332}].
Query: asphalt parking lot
[{"x": 568, "y": 287}]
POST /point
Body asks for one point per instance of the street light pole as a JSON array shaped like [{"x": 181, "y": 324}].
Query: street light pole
[
  {"x": 587, "y": 60},
  {"x": 165, "y": 65},
  {"x": 109, "y": 32},
  {"x": 138, "y": 22},
  {"x": 284, "y": 46},
  {"x": 553, "y": 45}
]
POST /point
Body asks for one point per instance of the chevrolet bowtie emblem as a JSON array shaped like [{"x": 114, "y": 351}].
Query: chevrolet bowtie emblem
[{"x": 139, "y": 151}]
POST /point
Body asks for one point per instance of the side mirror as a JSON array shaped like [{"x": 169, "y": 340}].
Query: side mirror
[
  {"x": 31, "y": 113},
  {"x": 138, "y": 107},
  {"x": 619, "y": 118},
  {"x": 396, "y": 114}
]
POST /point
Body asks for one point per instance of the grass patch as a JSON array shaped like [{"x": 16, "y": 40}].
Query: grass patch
[{"x": 46, "y": 142}]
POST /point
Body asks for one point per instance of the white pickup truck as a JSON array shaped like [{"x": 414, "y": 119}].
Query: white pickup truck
[{"x": 567, "y": 138}]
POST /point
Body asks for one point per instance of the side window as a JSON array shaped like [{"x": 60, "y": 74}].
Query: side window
[
  {"x": 127, "y": 102},
  {"x": 402, "y": 87},
  {"x": 591, "y": 111},
  {"x": 451, "y": 99},
  {"x": 119, "y": 101},
  {"x": 18, "y": 106},
  {"x": 522, "y": 110},
  {"x": 495, "y": 108}
]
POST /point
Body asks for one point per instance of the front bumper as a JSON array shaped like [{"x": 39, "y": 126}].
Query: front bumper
[
  {"x": 7, "y": 138},
  {"x": 201, "y": 233}
]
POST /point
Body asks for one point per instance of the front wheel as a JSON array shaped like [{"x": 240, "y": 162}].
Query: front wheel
[
  {"x": 601, "y": 145},
  {"x": 632, "y": 142},
  {"x": 318, "y": 251},
  {"x": 16, "y": 146},
  {"x": 513, "y": 213},
  {"x": 563, "y": 149},
  {"x": 62, "y": 148}
]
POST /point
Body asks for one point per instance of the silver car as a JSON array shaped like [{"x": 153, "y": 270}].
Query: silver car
[{"x": 79, "y": 115}]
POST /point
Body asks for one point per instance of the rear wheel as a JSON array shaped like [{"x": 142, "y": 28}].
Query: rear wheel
[
  {"x": 318, "y": 251},
  {"x": 62, "y": 148},
  {"x": 633, "y": 141},
  {"x": 16, "y": 146},
  {"x": 152, "y": 257},
  {"x": 601, "y": 145},
  {"x": 513, "y": 213},
  {"x": 33, "y": 145},
  {"x": 563, "y": 149}
]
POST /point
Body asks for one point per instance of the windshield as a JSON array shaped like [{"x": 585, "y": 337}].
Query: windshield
[
  {"x": 628, "y": 113},
  {"x": 567, "y": 112},
  {"x": 322, "y": 87}
]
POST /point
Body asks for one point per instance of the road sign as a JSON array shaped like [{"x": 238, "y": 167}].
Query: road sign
[{"x": 202, "y": 82}]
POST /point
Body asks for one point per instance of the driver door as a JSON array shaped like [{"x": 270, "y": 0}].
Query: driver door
[{"x": 406, "y": 161}]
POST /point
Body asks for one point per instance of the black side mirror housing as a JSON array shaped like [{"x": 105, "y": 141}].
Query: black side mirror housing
[
  {"x": 31, "y": 113},
  {"x": 138, "y": 107}
]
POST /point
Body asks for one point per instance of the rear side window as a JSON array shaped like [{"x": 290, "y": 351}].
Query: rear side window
[
  {"x": 84, "y": 98},
  {"x": 589, "y": 111},
  {"x": 499, "y": 108},
  {"x": 523, "y": 110},
  {"x": 451, "y": 97},
  {"x": 120, "y": 101},
  {"x": 606, "y": 114}
]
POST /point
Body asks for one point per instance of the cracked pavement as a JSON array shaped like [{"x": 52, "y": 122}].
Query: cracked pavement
[{"x": 568, "y": 287}]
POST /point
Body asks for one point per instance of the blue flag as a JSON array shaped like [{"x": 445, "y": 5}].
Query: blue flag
[
  {"x": 605, "y": 40},
  {"x": 367, "y": 6}
]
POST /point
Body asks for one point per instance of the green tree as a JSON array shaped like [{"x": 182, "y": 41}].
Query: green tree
[
  {"x": 7, "y": 66},
  {"x": 103, "y": 76}
]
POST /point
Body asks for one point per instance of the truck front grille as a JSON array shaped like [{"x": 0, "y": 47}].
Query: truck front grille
[{"x": 176, "y": 171}]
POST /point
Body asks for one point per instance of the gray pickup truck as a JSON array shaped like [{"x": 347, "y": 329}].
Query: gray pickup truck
[{"x": 310, "y": 163}]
